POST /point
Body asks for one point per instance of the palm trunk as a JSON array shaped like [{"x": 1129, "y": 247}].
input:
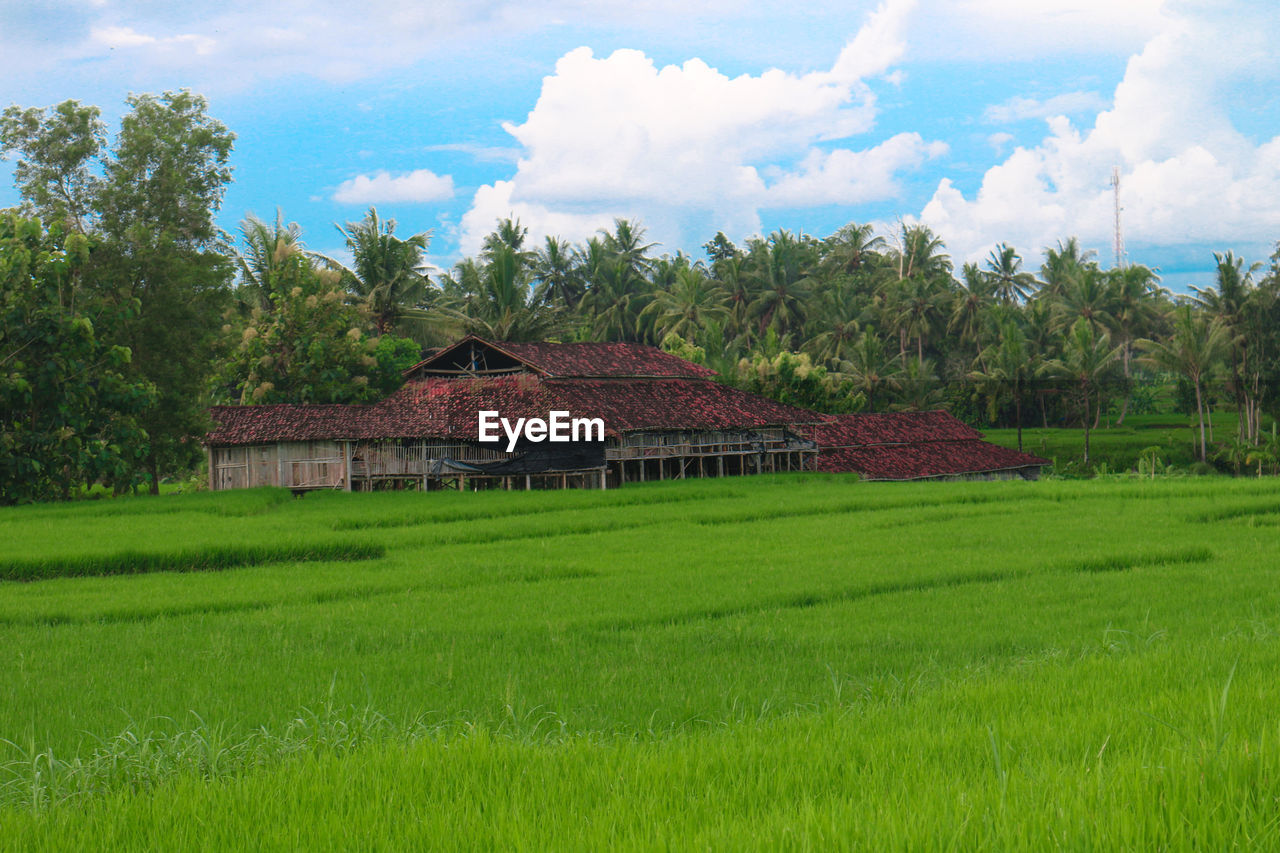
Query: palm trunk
[
  {"x": 1200, "y": 416},
  {"x": 1128, "y": 388},
  {"x": 1017, "y": 409},
  {"x": 1086, "y": 425}
]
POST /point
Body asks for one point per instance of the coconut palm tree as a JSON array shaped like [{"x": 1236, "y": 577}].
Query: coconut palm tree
[
  {"x": 921, "y": 304},
  {"x": 873, "y": 372},
  {"x": 915, "y": 285},
  {"x": 387, "y": 274},
  {"x": 779, "y": 268},
  {"x": 851, "y": 250},
  {"x": 616, "y": 295},
  {"x": 971, "y": 306},
  {"x": 1087, "y": 357},
  {"x": 1135, "y": 307},
  {"x": 693, "y": 301},
  {"x": 494, "y": 300},
  {"x": 1061, "y": 264},
  {"x": 1193, "y": 350},
  {"x": 836, "y": 321},
  {"x": 1231, "y": 300},
  {"x": 559, "y": 277},
  {"x": 267, "y": 247},
  {"x": 1006, "y": 370},
  {"x": 512, "y": 234},
  {"x": 1012, "y": 284},
  {"x": 1088, "y": 294}
]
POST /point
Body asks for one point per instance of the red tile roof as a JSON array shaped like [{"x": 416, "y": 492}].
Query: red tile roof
[
  {"x": 889, "y": 428},
  {"x": 909, "y": 446},
  {"x": 449, "y": 408},
  {"x": 924, "y": 460}
]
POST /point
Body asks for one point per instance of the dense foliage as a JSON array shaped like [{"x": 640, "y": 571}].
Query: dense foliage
[
  {"x": 148, "y": 203},
  {"x": 69, "y": 410},
  {"x": 307, "y": 344},
  {"x": 858, "y": 320}
]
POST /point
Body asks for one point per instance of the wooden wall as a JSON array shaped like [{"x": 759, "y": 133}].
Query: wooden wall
[{"x": 294, "y": 465}]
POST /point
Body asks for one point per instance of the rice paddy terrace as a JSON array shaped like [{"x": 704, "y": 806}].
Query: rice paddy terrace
[{"x": 782, "y": 661}]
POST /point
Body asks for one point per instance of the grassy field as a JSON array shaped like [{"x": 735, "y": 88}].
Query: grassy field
[
  {"x": 794, "y": 661},
  {"x": 1174, "y": 437}
]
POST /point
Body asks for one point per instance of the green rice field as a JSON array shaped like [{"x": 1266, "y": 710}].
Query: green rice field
[{"x": 791, "y": 661}]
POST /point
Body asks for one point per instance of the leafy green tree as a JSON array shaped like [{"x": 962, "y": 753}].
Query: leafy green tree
[
  {"x": 57, "y": 150},
  {"x": 68, "y": 406},
  {"x": 794, "y": 379},
  {"x": 164, "y": 181},
  {"x": 310, "y": 346}
]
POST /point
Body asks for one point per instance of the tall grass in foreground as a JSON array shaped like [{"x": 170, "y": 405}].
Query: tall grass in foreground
[
  {"x": 765, "y": 662},
  {"x": 968, "y": 764}
]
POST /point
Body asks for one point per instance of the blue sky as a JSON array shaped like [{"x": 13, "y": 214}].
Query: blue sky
[{"x": 989, "y": 120}]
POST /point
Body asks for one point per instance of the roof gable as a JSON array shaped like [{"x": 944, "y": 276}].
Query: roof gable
[{"x": 473, "y": 356}]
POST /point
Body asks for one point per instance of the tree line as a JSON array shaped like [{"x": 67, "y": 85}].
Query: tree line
[{"x": 125, "y": 312}]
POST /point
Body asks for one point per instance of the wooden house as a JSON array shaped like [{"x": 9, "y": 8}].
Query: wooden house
[{"x": 663, "y": 417}]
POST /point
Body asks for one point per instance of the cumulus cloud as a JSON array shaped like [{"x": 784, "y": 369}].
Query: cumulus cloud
[
  {"x": 618, "y": 135},
  {"x": 420, "y": 185},
  {"x": 1188, "y": 175}
]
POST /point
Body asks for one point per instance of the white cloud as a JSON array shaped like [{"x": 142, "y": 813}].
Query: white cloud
[
  {"x": 127, "y": 38},
  {"x": 849, "y": 177},
  {"x": 1188, "y": 176},
  {"x": 999, "y": 141},
  {"x": 687, "y": 145},
  {"x": 1021, "y": 109},
  {"x": 420, "y": 185},
  {"x": 1018, "y": 30}
]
